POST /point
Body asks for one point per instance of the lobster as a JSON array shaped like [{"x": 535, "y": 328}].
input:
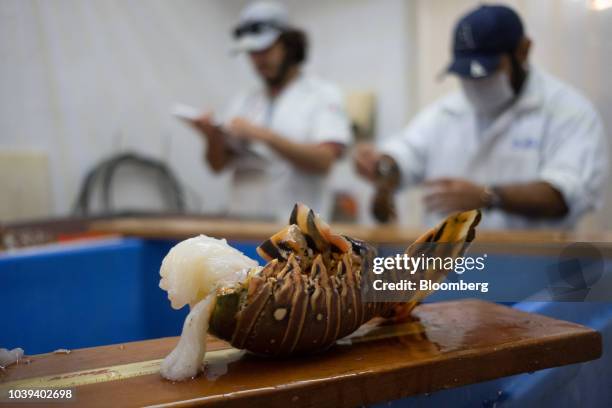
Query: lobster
[{"x": 313, "y": 290}]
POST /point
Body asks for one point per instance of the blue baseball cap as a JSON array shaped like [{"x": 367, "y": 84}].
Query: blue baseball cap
[{"x": 481, "y": 37}]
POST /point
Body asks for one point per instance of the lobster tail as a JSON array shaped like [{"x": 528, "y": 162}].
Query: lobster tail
[
  {"x": 309, "y": 294},
  {"x": 449, "y": 239},
  {"x": 312, "y": 291}
]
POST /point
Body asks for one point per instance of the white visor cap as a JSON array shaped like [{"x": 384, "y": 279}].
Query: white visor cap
[{"x": 259, "y": 26}]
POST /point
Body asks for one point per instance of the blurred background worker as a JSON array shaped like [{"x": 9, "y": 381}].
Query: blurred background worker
[
  {"x": 515, "y": 140},
  {"x": 280, "y": 139}
]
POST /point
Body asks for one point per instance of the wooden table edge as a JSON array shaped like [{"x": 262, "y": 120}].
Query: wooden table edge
[{"x": 289, "y": 392}]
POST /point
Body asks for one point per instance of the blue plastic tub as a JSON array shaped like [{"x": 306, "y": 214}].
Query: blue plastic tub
[
  {"x": 87, "y": 295},
  {"x": 107, "y": 292}
]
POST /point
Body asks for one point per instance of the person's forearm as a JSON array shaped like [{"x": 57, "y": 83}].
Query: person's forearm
[
  {"x": 536, "y": 199},
  {"x": 308, "y": 157}
]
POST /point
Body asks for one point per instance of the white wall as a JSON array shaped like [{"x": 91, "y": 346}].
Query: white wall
[
  {"x": 362, "y": 44},
  {"x": 82, "y": 80}
]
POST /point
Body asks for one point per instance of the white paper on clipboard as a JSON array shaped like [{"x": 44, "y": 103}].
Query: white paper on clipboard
[{"x": 186, "y": 112}]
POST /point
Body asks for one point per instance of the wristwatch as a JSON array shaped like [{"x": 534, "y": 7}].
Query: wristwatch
[{"x": 491, "y": 197}]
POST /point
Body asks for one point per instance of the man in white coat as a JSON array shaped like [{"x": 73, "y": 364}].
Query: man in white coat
[
  {"x": 280, "y": 139},
  {"x": 515, "y": 140}
]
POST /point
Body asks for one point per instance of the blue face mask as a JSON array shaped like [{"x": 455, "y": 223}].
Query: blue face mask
[{"x": 489, "y": 96}]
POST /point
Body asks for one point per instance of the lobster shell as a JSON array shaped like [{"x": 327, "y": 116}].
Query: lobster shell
[{"x": 311, "y": 291}]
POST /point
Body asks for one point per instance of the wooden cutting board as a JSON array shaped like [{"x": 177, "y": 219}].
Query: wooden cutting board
[{"x": 452, "y": 344}]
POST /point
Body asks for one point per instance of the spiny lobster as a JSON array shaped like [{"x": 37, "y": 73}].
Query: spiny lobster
[
  {"x": 309, "y": 294},
  {"x": 313, "y": 290}
]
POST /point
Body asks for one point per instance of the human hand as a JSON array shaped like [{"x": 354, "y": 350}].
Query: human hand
[
  {"x": 365, "y": 159},
  {"x": 206, "y": 125},
  {"x": 446, "y": 195},
  {"x": 242, "y": 128}
]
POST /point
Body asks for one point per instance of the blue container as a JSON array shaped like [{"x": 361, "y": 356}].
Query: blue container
[
  {"x": 87, "y": 295},
  {"x": 106, "y": 292}
]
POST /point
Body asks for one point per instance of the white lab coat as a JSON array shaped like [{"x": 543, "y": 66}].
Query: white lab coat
[
  {"x": 551, "y": 133},
  {"x": 266, "y": 185}
]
